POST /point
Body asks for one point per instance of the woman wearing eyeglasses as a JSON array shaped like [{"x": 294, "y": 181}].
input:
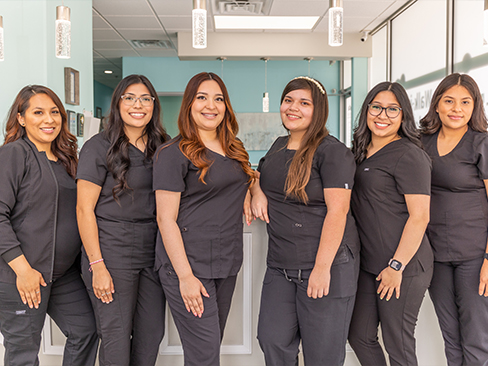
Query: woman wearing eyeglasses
[
  {"x": 454, "y": 134},
  {"x": 390, "y": 201},
  {"x": 117, "y": 222}
]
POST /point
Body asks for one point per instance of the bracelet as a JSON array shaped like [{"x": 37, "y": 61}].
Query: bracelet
[{"x": 95, "y": 262}]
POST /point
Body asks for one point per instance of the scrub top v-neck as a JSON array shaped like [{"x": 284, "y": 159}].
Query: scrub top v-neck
[
  {"x": 379, "y": 206},
  {"x": 210, "y": 213},
  {"x": 134, "y": 205},
  {"x": 458, "y": 227},
  {"x": 295, "y": 228}
]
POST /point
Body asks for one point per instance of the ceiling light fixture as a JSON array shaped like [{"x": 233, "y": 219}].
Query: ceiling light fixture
[
  {"x": 199, "y": 24},
  {"x": 485, "y": 24},
  {"x": 266, "y": 94},
  {"x": 108, "y": 72},
  {"x": 336, "y": 13},
  {"x": 222, "y": 59},
  {"x": 264, "y": 22},
  {"x": 1, "y": 38},
  {"x": 63, "y": 32}
]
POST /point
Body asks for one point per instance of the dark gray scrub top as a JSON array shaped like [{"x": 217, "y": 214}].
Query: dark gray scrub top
[
  {"x": 68, "y": 242},
  {"x": 209, "y": 216},
  {"x": 127, "y": 229},
  {"x": 459, "y": 205},
  {"x": 295, "y": 228},
  {"x": 378, "y": 204}
]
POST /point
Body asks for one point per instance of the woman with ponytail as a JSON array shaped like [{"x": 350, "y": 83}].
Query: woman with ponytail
[
  {"x": 201, "y": 179},
  {"x": 303, "y": 194}
]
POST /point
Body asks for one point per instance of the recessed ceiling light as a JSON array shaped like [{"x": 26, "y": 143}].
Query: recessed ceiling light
[
  {"x": 264, "y": 22},
  {"x": 108, "y": 72}
]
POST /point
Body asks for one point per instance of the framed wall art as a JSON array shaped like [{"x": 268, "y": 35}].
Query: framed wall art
[
  {"x": 72, "y": 123},
  {"x": 71, "y": 86},
  {"x": 80, "y": 124}
]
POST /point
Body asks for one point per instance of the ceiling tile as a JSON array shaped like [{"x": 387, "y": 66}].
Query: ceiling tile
[
  {"x": 117, "y": 53},
  {"x": 173, "y": 7},
  {"x": 105, "y": 34},
  {"x": 180, "y": 22},
  {"x": 158, "y": 53},
  {"x": 299, "y": 8},
  {"x": 111, "y": 45},
  {"x": 99, "y": 23},
  {"x": 146, "y": 34},
  {"x": 132, "y": 22},
  {"x": 122, "y": 7}
]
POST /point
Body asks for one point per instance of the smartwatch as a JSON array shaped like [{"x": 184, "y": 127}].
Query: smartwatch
[
  {"x": 485, "y": 256},
  {"x": 396, "y": 265}
]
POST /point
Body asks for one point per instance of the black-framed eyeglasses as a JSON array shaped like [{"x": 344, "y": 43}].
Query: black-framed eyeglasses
[
  {"x": 391, "y": 112},
  {"x": 130, "y": 100}
]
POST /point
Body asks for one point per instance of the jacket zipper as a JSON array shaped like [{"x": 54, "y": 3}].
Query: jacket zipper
[{"x": 55, "y": 218}]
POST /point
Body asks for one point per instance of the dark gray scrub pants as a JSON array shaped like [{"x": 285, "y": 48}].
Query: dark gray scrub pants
[
  {"x": 131, "y": 327},
  {"x": 462, "y": 313},
  {"x": 200, "y": 337},
  {"x": 67, "y": 303},
  {"x": 398, "y": 318},
  {"x": 287, "y": 315}
]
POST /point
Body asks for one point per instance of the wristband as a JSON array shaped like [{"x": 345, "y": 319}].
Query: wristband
[
  {"x": 485, "y": 256},
  {"x": 95, "y": 262}
]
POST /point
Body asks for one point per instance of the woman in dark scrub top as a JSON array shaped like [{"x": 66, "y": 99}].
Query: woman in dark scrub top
[
  {"x": 117, "y": 221},
  {"x": 303, "y": 194},
  {"x": 454, "y": 135},
  {"x": 201, "y": 179},
  {"x": 40, "y": 244},
  {"x": 390, "y": 202}
]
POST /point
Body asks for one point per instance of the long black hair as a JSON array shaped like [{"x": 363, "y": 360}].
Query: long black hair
[
  {"x": 118, "y": 160},
  {"x": 431, "y": 123},
  {"x": 362, "y": 134}
]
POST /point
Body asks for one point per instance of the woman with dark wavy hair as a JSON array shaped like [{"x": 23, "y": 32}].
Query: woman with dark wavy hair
[
  {"x": 390, "y": 202},
  {"x": 117, "y": 220},
  {"x": 454, "y": 135},
  {"x": 40, "y": 245},
  {"x": 201, "y": 179},
  {"x": 303, "y": 194}
]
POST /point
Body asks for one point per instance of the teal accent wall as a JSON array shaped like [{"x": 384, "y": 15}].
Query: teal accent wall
[
  {"x": 359, "y": 83},
  {"x": 29, "y": 51},
  {"x": 170, "y": 108},
  {"x": 102, "y": 95},
  {"x": 244, "y": 81}
]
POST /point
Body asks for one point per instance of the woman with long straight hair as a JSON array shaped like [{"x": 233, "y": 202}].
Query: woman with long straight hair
[
  {"x": 40, "y": 245},
  {"x": 117, "y": 221},
  {"x": 201, "y": 179},
  {"x": 454, "y": 133},
  {"x": 390, "y": 202},
  {"x": 303, "y": 194}
]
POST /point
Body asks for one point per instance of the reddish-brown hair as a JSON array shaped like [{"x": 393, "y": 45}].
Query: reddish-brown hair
[
  {"x": 64, "y": 146},
  {"x": 190, "y": 143}
]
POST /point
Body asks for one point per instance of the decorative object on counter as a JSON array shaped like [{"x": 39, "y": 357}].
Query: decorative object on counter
[
  {"x": 72, "y": 124},
  {"x": 80, "y": 119}
]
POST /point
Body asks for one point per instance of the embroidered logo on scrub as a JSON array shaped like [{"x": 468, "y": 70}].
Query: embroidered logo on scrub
[
  {"x": 366, "y": 169},
  {"x": 346, "y": 186},
  {"x": 20, "y": 312}
]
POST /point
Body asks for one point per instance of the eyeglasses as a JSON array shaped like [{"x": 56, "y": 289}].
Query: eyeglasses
[
  {"x": 391, "y": 112},
  {"x": 130, "y": 100}
]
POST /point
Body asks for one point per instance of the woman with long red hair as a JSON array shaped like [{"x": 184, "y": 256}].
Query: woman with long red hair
[
  {"x": 201, "y": 179},
  {"x": 40, "y": 246}
]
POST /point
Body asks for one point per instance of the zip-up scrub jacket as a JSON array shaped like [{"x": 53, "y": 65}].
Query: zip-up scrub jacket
[{"x": 28, "y": 209}]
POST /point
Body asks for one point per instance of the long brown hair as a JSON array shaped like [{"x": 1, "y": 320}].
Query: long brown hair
[
  {"x": 118, "y": 161},
  {"x": 301, "y": 164},
  {"x": 431, "y": 123},
  {"x": 64, "y": 146},
  {"x": 190, "y": 143}
]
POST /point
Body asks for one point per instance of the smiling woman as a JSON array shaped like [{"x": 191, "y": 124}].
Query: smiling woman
[{"x": 117, "y": 220}]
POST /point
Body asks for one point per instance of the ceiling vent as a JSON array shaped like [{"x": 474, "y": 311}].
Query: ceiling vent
[
  {"x": 151, "y": 44},
  {"x": 251, "y": 7}
]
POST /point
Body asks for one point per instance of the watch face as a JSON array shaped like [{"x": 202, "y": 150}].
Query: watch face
[{"x": 396, "y": 265}]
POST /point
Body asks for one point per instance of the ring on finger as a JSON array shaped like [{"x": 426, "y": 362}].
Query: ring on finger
[{"x": 38, "y": 292}]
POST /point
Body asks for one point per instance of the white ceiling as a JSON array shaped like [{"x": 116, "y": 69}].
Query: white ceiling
[{"x": 116, "y": 22}]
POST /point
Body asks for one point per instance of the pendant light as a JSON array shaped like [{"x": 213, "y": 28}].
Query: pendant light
[
  {"x": 199, "y": 24},
  {"x": 266, "y": 94},
  {"x": 308, "y": 59},
  {"x": 63, "y": 32},
  {"x": 222, "y": 59},
  {"x": 1, "y": 38},
  {"x": 336, "y": 13},
  {"x": 485, "y": 24}
]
